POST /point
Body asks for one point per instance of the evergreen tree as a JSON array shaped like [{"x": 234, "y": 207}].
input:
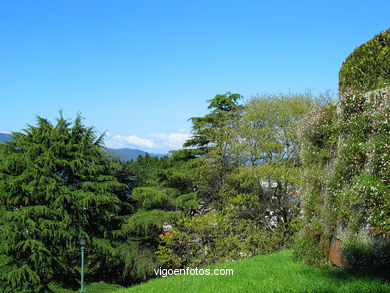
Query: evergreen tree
[
  {"x": 54, "y": 186},
  {"x": 210, "y": 143},
  {"x": 223, "y": 109}
]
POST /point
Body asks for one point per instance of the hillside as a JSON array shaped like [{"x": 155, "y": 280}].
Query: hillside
[
  {"x": 125, "y": 154},
  {"x": 5, "y": 137},
  {"x": 275, "y": 272}
]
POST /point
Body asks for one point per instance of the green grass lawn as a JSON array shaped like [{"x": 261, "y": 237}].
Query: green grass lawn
[{"x": 275, "y": 272}]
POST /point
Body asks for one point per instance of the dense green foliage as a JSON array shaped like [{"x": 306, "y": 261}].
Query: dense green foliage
[
  {"x": 368, "y": 67},
  {"x": 275, "y": 272},
  {"x": 57, "y": 183},
  {"x": 160, "y": 190},
  {"x": 54, "y": 186}
]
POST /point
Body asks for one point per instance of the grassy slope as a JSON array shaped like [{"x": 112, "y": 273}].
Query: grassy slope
[{"x": 275, "y": 272}]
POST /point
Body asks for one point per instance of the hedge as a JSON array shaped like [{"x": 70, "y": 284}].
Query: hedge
[{"x": 368, "y": 67}]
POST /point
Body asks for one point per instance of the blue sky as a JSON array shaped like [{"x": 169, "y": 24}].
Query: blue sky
[{"x": 140, "y": 69}]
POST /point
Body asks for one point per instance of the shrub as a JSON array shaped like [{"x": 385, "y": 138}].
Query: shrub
[
  {"x": 214, "y": 237},
  {"x": 308, "y": 249}
]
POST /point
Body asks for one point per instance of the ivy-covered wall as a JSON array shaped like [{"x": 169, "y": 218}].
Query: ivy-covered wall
[
  {"x": 345, "y": 149},
  {"x": 346, "y": 163}
]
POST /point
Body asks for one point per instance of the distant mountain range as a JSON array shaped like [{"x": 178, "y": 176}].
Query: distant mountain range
[
  {"x": 127, "y": 154},
  {"x": 124, "y": 154},
  {"x": 5, "y": 137}
]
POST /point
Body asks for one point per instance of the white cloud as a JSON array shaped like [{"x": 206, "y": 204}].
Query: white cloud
[
  {"x": 172, "y": 140},
  {"x": 135, "y": 140},
  {"x": 160, "y": 141}
]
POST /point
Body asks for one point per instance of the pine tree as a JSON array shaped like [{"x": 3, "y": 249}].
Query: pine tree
[{"x": 54, "y": 187}]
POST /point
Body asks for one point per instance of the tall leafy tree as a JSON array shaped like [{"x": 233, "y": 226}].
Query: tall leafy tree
[
  {"x": 55, "y": 185},
  {"x": 265, "y": 144}
]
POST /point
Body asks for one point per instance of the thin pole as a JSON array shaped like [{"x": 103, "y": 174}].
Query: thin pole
[{"x": 82, "y": 270}]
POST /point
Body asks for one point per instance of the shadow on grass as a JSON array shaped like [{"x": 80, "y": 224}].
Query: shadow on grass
[
  {"x": 370, "y": 259},
  {"x": 345, "y": 275}
]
